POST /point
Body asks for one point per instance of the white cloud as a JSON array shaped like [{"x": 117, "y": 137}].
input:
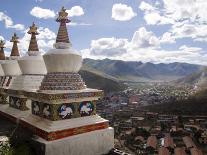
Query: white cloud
[
  {"x": 193, "y": 10},
  {"x": 190, "y": 49},
  {"x": 42, "y": 13},
  {"x": 75, "y": 11},
  {"x": 46, "y": 33},
  {"x": 78, "y": 24},
  {"x": 122, "y": 12},
  {"x": 167, "y": 38},
  {"x": 108, "y": 47},
  {"x": 9, "y": 22},
  {"x": 144, "y": 46},
  {"x": 144, "y": 6},
  {"x": 152, "y": 18},
  {"x": 152, "y": 14},
  {"x": 144, "y": 39},
  {"x": 186, "y": 17}
]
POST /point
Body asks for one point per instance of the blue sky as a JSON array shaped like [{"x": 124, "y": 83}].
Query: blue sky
[{"x": 134, "y": 30}]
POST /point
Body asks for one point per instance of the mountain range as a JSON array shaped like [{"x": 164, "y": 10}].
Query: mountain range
[{"x": 136, "y": 71}]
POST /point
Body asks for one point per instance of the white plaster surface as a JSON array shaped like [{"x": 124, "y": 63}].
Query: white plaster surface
[
  {"x": 63, "y": 60},
  {"x": 1, "y": 71},
  {"x": 92, "y": 143},
  {"x": 11, "y": 68},
  {"x": 15, "y": 112},
  {"x": 27, "y": 82},
  {"x": 32, "y": 65}
]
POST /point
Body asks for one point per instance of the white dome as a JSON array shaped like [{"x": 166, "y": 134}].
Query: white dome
[
  {"x": 63, "y": 60},
  {"x": 32, "y": 65},
  {"x": 11, "y": 68}
]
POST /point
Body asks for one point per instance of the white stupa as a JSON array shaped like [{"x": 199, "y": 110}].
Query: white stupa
[
  {"x": 65, "y": 120},
  {"x": 32, "y": 66},
  {"x": 11, "y": 67}
]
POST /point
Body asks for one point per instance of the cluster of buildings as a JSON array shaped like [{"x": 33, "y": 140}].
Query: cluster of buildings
[
  {"x": 146, "y": 133},
  {"x": 129, "y": 101}
]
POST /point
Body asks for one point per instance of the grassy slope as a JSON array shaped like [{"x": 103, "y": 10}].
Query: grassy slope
[{"x": 97, "y": 81}]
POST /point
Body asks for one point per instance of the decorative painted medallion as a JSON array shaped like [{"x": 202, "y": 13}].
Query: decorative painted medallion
[
  {"x": 86, "y": 108},
  {"x": 66, "y": 111}
]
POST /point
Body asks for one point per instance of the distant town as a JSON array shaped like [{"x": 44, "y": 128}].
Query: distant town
[{"x": 143, "y": 132}]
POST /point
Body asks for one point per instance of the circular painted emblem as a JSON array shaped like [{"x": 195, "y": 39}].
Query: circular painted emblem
[
  {"x": 66, "y": 111},
  {"x": 86, "y": 108}
]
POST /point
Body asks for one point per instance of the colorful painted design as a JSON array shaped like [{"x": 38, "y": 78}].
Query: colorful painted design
[
  {"x": 86, "y": 108},
  {"x": 63, "y": 111},
  {"x": 18, "y": 103},
  {"x": 66, "y": 111},
  {"x": 63, "y": 96}
]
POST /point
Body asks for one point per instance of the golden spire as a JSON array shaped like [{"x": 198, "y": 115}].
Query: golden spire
[
  {"x": 15, "y": 51},
  {"x": 2, "y": 55},
  {"x": 62, "y": 35},
  {"x": 33, "y": 41}
]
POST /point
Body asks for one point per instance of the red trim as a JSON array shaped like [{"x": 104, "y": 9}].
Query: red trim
[{"x": 50, "y": 136}]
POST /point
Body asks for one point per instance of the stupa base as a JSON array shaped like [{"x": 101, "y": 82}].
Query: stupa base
[
  {"x": 97, "y": 142},
  {"x": 54, "y": 130}
]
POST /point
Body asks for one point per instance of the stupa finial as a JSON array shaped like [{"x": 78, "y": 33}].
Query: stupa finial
[
  {"x": 62, "y": 35},
  {"x": 15, "y": 50},
  {"x": 14, "y": 38},
  {"x": 33, "y": 29},
  {"x": 2, "y": 55},
  {"x": 33, "y": 41}
]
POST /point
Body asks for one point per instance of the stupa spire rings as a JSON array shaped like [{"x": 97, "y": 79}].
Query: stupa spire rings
[
  {"x": 62, "y": 40},
  {"x": 15, "y": 50},
  {"x": 33, "y": 47}
]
